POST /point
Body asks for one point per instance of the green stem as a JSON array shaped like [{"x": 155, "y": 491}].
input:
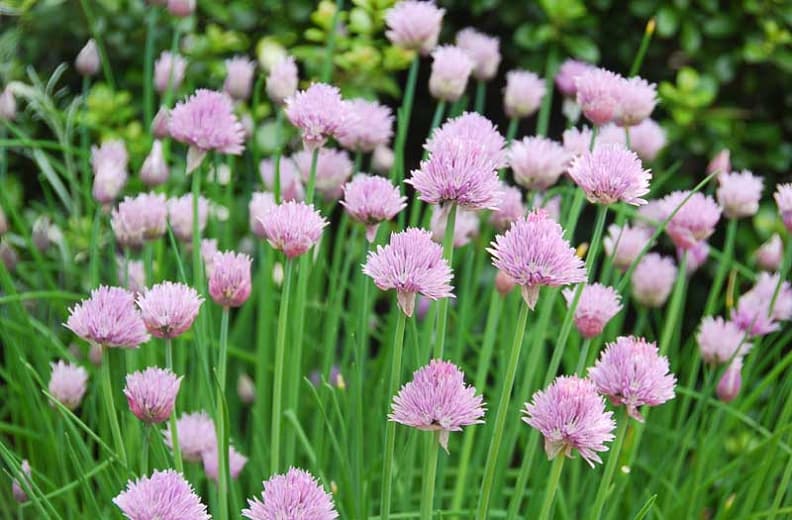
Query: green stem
[
  {"x": 222, "y": 434},
  {"x": 360, "y": 360},
  {"x": 584, "y": 351},
  {"x": 437, "y": 117},
  {"x": 397, "y": 174},
  {"x": 174, "y": 431},
  {"x": 390, "y": 427},
  {"x": 481, "y": 96},
  {"x": 416, "y": 206},
  {"x": 106, "y": 69},
  {"x": 144, "y": 451},
  {"x": 672, "y": 315},
  {"x": 429, "y": 475},
  {"x": 148, "y": 68},
  {"x": 610, "y": 467},
  {"x": 647, "y": 37},
  {"x": 276, "y": 158},
  {"x": 511, "y": 131},
  {"x": 280, "y": 353},
  {"x": 552, "y": 486},
  {"x": 543, "y": 121},
  {"x": 448, "y": 253},
  {"x": 327, "y": 68},
  {"x": 85, "y": 145},
  {"x": 723, "y": 267},
  {"x": 311, "y": 189},
  {"x": 500, "y": 416},
  {"x": 197, "y": 263},
  {"x": 112, "y": 417},
  {"x": 263, "y": 341}
]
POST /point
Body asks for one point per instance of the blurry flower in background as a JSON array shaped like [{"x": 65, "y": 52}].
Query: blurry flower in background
[
  {"x": 87, "y": 62},
  {"x": 523, "y": 93},
  {"x": 652, "y": 280},
  {"x": 466, "y": 225},
  {"x": 694, "y": 221},
  {"x": 154, "y": 171},
  {"x": 260, "y": 204},
  {"x": 239, "y": 77},
  {"x": 739, "y": 193},
  {"x": 16, "y": 487},
  {"x": 730, "y": 382},
  {"x": 160, "y": 123},
  {"x": 783, "y": 199},
  {"x": 282, "y": 80},
  {"x": 196, "y": 432},
  {"x": 181, "y": 8},
  {"x": 236, "y": 462},
  {"x": 647, "y": 139},
  {"x": 109, "y": 163},
  {"x": 180, "y": 216},
  {"x": 451, "y": 68},
  {"x": 510, "y": 209},
  {"x": 414, "y": 25},
  {"x": 367, "y": 125},
  {"x": 537, "y": 162},
  {"x": 291, "y": 187},
  {"x": 169, "y": 69},
  {"x": 720, "y": 340},
  {"x": 8, "y": 105},
  {"x": 483, "y": 49},
  {"x": 68, "y": 383},
  {"x": 597, "y": 305},
  {"x": 770, "y": 254},
  {"x": 624, "y": 244},
  {"x": 333, "y": 168}
]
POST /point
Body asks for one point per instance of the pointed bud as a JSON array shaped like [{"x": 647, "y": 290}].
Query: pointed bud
[
  {"x": 154, "y": 170},
  {"x": 246, "y": 389},
  {"x": 159, "y": 125},
  {"x": 731, "y": 381},
  {"x": 8, "y": 106},
  {"x": 87, "y": 62}
]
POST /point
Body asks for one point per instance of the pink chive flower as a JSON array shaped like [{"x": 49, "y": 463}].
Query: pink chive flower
[
  {"x": 236, "y": 463},
  {"x": 17, "y": 490},
  {"x": 598, "y": 92},
  {"x": 483, "y": 49},
  {"x": 597, "y": 305},
  {"x": 637, "y": 99},
  {"x": 451, "y": 68},
  {"x": 333, "y": 169},
  {"x": 196, "y": 433},
  {"x": 729, "y": 385},
  {"x": 783, "y": 199},
  {"x": 282, "y": 80},
  {"x": 169, "y": 68},
  {"x": 753, "y": 313},
  {"x": 438, "y": 400},
  {"x": 630, "y": 371},
  {"x": 739, "y": 193},
  {"x": 411, "y": 263},
  {"x": 208, "y": 251},
  {"x": 239, "y": 77},
  {"x": 653, "y": 279},
  {"x": 181, "y": 8},
  {"x": 151, "y": 394},
  {"x": 571, "y": 415},
  {"x": 294, "y": 494},
  {"x": 318, "y": 112},
  {"x": 382, "y": 160},
  {"x": 720, "y": 163},
  {"x": 260, "y": 204},
  {"x": 68, "y": 384},
  {"x": 466, "y": 226},
  {"x": 180, "y": 216},
  {"x": 695, "y": 221},
  {"x": 770, "y": 254},
  {"x": 577, "y": 141},
  {"x": 511, "y": 208},
  {"x": 367, "y": 125},
  {"x": 610, "y": 174},
  {"x": 109, "y": 162},
  {"x": 8, "y": 105},
  {"x": 168, "y": 309},
  {"x": 720, "y": 340},
  {"x": 372, "y": 200},
  {"x": 291, "y": 186},
  {"x": 504, "y": 283},
  {"x": 647, "y": 139},
  {"x": 140, "y": 218},
  {"x": 205, "y": 121},
  {"x": 230, "y": 281},
  {"x": 87, "y": 62},
  {"x": 696, "y": 256},
  {"x": 164, "y": 495},
  {"x": 160, "y": 123},
  {"x": 414, "y": 25},
  {"x": 534, "y": 253},
  {"x": 293, "y": 227},
  {"x": 566, "y": 77},
  {"x": 537, "y": 162},
  {"x": 473, "y": 128},
  {"x": 624, "y": 244},
  {"x": 131, "y": 275},
  {"x": 109, "y": 318},
  {"x": 523, "y": 93},
  {"x": 154, "y": 171}
]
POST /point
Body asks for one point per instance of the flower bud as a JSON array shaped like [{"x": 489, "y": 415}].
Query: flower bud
[{"x": 87, "y": 62}]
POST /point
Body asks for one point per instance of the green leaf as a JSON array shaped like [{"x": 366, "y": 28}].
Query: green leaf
[
  {"x": 667, "y": 22},
  {"x": 582, "y": 47},
  {"x": 690, "y": 38},
  {"x": 531, "y": 36}
]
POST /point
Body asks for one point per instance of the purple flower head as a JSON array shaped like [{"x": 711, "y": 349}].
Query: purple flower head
[
  {"x": 230, "y": 281},
  {"x": 181, "y": 8},
  {"x": 783, "y": 199},
  {"x": 134, "y": 272},
  {"x": 333, "y": 169},
  {"x": 68, "y": 383},
  {"x": 695, "y": 221},
  {"x": 537, "y": 162},
  {"x": 87, "y": 62},
  {"x": 166, "y": 495},
  {"x": 451, "y": 68},
  {"x": 140, "y": 218},
  {"x": 624, "y": 244},
  {"x": 611, "y": 174},
  {"x": 597, "y": 305},
  {"x": 720, "y": 340},
  {"x": 637, "y": 99},
  {"x": 371, "y": 200},
  {"x": 169, "y": 309},
  {"x": 739, "y": 193},
  {"x": 160, "y": 124},
  {"x": 16, "y": 487},
  {"x": 483, "y": 49},
  {"x": 414, "y": 25},
  {"x": 653, "y": 279},
  {"x": 534, "y": 253},
  {"x": 720, "y": 163},
  {"x": 239, "y": 77},
  {"x": 473, "y": 128},
  {"x": 293, "y": 227},
  {"x": 169, "y": 68},
  {"x": 577, "y": 140},
  {"x": 260, "y": 204},
  {"x": 196, "y": 433},
  {"x": 294, "y": 494},
  {"x": 647, "y": 139},
  {"x": 511, "y": 208},
  {"x": 236, "y": 462},
  {"x": 753, "y": 313},
  {"x": 208, "y": 251},
  {"x": 729, "y": 385},
  {"x": 290, "y": 182},
  {"x": 154, "y": 171},
  {"x": 382, "y": 160},
  {"x": 282, "y": 80},
  {"x": 437, "y": 399},
  {"x": 109, "y": 318},
  {"x": 109, "y": 163},
  {"x": 466, "y": 225},
  {"x": 367, "y": 125},
  {"x": 180, "y": 215},
  {"x": 151, "y": 394},
  {"x": 630, "y": 371},
  {"x": 206, "y": 121},
  {"x": 598, "y": 94},
  {"x": 571, "y": 415},
  {"x": 770, "y": 254},
  {"x": 318, "y": 112},
  {"x": 696, "y": 256},
  {"x": 568, "y": 72},
  {"x": 411, "y": 263},
  {"x": 523, "y": 93}
]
